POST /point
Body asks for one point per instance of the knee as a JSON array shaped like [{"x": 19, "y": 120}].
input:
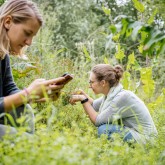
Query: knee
[
  {"x": 101, "y": 129},
  {"x": 106, "y": 129}
]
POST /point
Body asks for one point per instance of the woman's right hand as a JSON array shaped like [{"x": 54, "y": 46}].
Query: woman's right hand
[{"x": 39, "y": 88}]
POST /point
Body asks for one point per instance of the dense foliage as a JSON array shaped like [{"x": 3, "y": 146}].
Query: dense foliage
[{"x": 76, "y": 36}]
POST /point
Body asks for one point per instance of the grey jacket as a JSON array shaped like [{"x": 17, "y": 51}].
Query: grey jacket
[
  {"x": 7, "y": 85},
  {"x": 125, "y": 107}
]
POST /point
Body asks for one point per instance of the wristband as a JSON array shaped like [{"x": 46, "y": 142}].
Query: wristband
[
  {"x": 27, "y": 95},
  {"x": 84, "y": 101},
  {"x": 26, "y": 91}
]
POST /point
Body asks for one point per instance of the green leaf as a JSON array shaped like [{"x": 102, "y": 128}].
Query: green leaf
[
  {"x": 147, "y": 81},
  {"x": 125, "y": 24},
  {"x": 136, "y": 27},
  {"x": 126, "y": 80},
  {"x": 139, "y": 6},
  {"x": 59, "y": 51},
  {"x": 106, "y": 60},
  {"x": 86, "y": 53},
  {"x": 151, "y": 19},
  {"x": 120, "y": 53},
  {"x": 106, "y": 10},
  {"x": 131, "y": 60},
  {"x": 152, "y": 41},
  {"x": 21, "y": 69},
  {"x": 162, "y": 48},
  {"x": 10, "y": 118},
  {"x": 113, "y": 28}
]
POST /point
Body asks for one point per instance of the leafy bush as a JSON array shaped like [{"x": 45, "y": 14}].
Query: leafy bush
[{"x": 64, "y": 134}]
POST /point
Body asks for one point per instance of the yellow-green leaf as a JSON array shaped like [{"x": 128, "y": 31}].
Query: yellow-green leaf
[
  {"x": 86, "y": 53},
  {"x": 120, "y": 53},
  {"x": 106, "y": 10},
  {"x": 139, "y": 6}
]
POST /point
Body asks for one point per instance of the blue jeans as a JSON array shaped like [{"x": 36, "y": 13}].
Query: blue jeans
[{"x": 109, "y": 129}]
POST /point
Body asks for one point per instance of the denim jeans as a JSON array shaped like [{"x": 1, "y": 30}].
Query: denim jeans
[{"x": 110, "y": 129}]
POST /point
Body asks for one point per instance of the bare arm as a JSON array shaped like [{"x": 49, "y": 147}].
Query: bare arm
[
  {"x": 90, "y": 112},
  {"x": 15, "y": 100},
  {"x": 36, "y": 90}
]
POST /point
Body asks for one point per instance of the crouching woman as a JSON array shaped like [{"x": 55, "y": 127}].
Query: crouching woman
[{"x": 118, "y": 110}]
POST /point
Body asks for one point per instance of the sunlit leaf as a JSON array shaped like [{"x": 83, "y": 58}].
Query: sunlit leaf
[
  {"x": 21, "y": 69},
  {"x": 147, "y": 81},
  {"x": 139, "y": 6},
  {"x": 126, "y": 80},
  {"x": 106, "y": 60},
  {"x": 152, "y": 17},
  {"x": 106, "y": 10},
  {"x": 131, "y": 60},
  {"x": 86, "y": 53},
  {"x": 120, "y": 53}
]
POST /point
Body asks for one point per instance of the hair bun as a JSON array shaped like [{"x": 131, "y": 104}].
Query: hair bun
[{"x": 119, "y": 71}]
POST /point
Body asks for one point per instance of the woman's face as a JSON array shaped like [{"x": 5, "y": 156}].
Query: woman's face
[
  {"x": 21, "y": 35},
  {"x": 95, "y": 85}
]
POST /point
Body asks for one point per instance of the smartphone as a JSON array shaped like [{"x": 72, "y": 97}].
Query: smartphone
[{"x": 68, "y": 77}]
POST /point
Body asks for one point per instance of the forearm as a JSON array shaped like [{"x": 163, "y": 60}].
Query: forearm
[
  {"x": 15, "y": 100},
  {"x": 90, "y": 112}
]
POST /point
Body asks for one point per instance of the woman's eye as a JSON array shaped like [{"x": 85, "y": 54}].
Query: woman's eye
[{"x": 27, "y": 34}]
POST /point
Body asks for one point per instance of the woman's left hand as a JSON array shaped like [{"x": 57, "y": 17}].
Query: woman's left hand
[{"x": 76, "y": 98}]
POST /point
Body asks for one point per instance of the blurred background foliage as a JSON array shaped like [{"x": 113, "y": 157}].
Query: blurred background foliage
[{"x": 103, "y": 31}]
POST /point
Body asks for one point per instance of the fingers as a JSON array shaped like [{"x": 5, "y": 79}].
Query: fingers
[
  {"x": 71, "y": 101},
  {"x": 55, "y": 87},
  {"x": 55, "y": 81},
  {"x": 74, "y": 99},
  {"x": 40, "y": 87},
  {"x": 41, "y": 100}
]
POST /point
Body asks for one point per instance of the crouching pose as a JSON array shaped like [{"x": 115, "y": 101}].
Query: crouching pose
[{"x": 119, "y": 110}]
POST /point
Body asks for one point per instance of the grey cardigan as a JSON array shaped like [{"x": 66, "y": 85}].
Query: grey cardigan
[
  {"x": 7, "y": 85},
  {"x": 124, "y": 106}
]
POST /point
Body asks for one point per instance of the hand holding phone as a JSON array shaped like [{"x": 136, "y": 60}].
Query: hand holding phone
[{"x": 68, "y": 77}]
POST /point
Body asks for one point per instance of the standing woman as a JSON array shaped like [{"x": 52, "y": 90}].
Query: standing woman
[
  {"x": 119, "y": 110},
  {"x": 20, "y": 21}
]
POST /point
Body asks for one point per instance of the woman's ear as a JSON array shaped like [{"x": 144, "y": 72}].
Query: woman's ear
[
  {"x": 8, "y": 22},
  {"x": 103, "y": 83}
]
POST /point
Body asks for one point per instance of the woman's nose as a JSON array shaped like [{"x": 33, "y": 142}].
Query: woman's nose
[{"x": 28, "y": 41}]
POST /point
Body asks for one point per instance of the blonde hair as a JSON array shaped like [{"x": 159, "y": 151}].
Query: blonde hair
[
  {"x": 108, "y": 73},
  {"x": 21, "y": 11}
]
